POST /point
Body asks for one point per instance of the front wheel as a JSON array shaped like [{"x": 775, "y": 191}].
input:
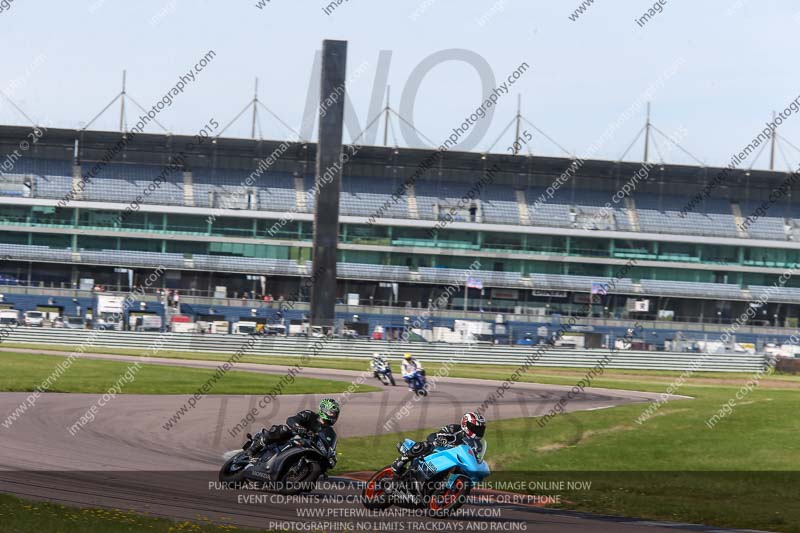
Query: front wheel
[
  {"x": 421, "y": 392},
  {"x": 300, "y": 476},
  {"x": 391, "y": 379},
  {"x": 448, "y": 501},
  {"x": 233, "y": 470},
  {"x": 374, "y": 495}
]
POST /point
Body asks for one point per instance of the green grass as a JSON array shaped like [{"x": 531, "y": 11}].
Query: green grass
[
  {"x": 22, "y": 516},
  {"x": 551, "y": 375},
  {"x": 745, "y": 472},
  {"x": 23, "y": 372}
]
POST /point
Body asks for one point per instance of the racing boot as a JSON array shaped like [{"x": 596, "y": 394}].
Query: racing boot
[{"x": 259, "y": 442}]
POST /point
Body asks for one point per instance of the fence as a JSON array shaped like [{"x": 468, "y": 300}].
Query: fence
[{"x": 363, "y": 349}]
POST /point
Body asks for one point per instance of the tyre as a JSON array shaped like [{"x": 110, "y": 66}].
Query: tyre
[
  {"x": 446, "y": 502},
  {"x": 233, "y": 469},
  {"x": 374, "y": 496},
  {"x": 299, "y": 476},
  {"x": 421, "y": 392},
  {"x": 391, "y": 379}
]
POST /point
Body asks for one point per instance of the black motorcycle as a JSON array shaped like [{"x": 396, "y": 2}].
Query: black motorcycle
[{"x": 292, "y": 467}]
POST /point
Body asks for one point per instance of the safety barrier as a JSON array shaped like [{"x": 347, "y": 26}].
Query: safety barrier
[{"x": 363, "y": 349}]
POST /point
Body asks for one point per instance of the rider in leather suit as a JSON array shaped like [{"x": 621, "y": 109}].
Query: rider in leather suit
[
  {"x": 472, "y": 426},
  {"x": 304, "y": 423}
]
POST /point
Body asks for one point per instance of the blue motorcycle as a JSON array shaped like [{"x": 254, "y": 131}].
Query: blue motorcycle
[
  {"x": 383, "y": 371},
  {"x": 418, "y": 383},
  {"x": 440, "y": 482}
]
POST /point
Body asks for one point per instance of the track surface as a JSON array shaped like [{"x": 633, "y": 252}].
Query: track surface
[{"x": 126, "y": 459}]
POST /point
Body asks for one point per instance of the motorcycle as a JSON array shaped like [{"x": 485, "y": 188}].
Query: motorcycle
[
  {"x": 383, "y": 371},
  {"x": 418, "y": 383},
  {"x": 440, "y": 482},
  {"x": 292, "y": 467}
]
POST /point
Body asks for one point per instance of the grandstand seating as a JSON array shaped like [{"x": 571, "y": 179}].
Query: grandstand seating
[
  {"x": 770, "y": 226},
  {"x": 663, "y": 215},
  {"x": 123, "y": 182},
  {"x": 580, "y": 283},
  {"x": 45, "y": 178},
  {"x": 687, "y": 288},
  {"x": 377, "y": 272},
  {"x": 36, "y": 253},
  {"x": 217, "y": 187},
  {"x": 498, "y": 205},
  {"x": 551, "y": 212},
  {"x": 365, "y": 196},
  {"x": 132, "y": 258}
]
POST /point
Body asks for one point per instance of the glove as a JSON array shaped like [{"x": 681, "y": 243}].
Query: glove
[
  {"x": 303, "y": 432},
  {"x": 418, "y": 449}
]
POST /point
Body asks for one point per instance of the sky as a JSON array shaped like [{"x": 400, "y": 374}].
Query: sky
[{"x": 736, "y": 63}]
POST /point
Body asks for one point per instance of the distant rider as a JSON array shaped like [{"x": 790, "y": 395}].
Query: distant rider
[
  {"x": 410, "y": 367},
  {"x": 471, "y": 430},
  {"x": 378, "y": 363},
  {"x": 304, "y": 423}
]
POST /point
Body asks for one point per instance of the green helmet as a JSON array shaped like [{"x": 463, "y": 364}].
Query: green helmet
[{"x": 329, "y": 410}]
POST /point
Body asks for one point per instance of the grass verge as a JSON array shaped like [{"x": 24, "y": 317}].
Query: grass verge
[
  {"x": 23, "y": 372},
  {"x": 22, "y": 516},
  {"x": 551, "y": 375}
]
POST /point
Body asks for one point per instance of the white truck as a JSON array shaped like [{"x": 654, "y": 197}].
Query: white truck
[
  {"x": 108, "y": 311},
  {"x": 10, "y": 317}
]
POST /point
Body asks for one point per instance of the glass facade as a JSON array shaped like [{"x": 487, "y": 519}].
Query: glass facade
[{"x": 499, "y": 251}]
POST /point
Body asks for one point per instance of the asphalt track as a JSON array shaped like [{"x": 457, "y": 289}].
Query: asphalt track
[{"x": 126, "y": 459}]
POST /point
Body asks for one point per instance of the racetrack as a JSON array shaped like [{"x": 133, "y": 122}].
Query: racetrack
[{"x": 126, "y": 459}]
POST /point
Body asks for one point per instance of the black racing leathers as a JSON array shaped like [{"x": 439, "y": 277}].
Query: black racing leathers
[
  {"x": 303, "y": 423},
  {"x": 309, "y": 422}
]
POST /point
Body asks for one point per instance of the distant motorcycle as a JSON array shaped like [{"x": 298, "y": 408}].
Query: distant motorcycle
[
  {"x": 383, "y": 371},
  {"x": 289, "y": 468},
  {"x": 440, "y": 482},
  {"x": 418, "y": 383}
]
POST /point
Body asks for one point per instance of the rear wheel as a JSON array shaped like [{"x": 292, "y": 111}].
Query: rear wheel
[
  {"x": 374, "y": 495},
  {"x": 446, "y": 502}
]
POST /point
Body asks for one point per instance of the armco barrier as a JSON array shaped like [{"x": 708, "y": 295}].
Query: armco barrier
[{"x": 363, "y": 349}]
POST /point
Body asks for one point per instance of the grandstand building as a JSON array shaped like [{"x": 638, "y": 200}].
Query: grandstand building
[{"x": 234, "y": 210}]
